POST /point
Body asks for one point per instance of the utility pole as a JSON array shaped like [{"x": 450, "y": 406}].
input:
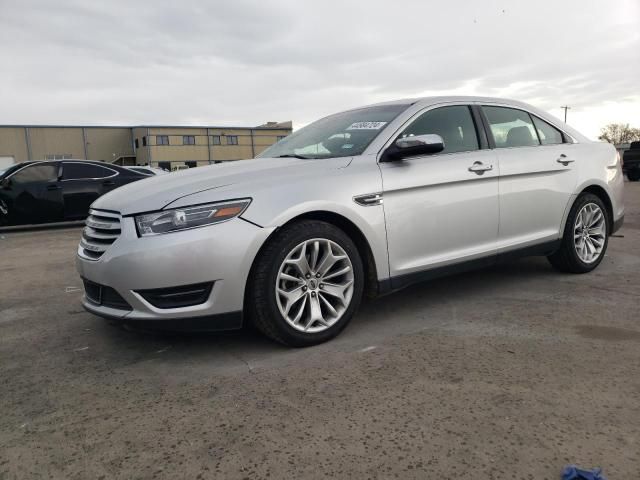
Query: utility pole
[{"x": 565, "y": 108}]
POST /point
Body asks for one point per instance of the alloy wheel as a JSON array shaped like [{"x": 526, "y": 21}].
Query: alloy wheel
[
  {"x": 314, "y": 286},
  {"x": 589, "y": 232}
]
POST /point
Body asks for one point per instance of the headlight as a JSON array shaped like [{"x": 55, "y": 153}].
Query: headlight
[{"x": 189, "y": 217}]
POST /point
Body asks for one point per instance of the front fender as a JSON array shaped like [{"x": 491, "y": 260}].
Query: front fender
[{"x": 275, "y": 207}]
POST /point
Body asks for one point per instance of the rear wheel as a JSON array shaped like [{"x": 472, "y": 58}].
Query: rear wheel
[
  {"x": 306, "y": 285},
  {"x": 634, "y": 175},
  {"x": 585, "y": 238}
]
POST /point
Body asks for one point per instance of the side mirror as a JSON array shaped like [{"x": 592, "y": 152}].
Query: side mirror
[{"x": 412, "y": 146}]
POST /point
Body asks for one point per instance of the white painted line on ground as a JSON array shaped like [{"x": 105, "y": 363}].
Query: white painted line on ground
[{"x": 367, "y": 349}]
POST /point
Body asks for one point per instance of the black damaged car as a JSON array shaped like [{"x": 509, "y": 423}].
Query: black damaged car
[{"x": 56, "y": 191}]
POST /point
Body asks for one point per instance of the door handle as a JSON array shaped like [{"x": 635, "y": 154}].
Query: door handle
[
  {"x": 480, "y": 168},
  {"x": 53, "y": 187},
  {"x": 108, "y": 183},
  {"x": 564, "y": 160}
]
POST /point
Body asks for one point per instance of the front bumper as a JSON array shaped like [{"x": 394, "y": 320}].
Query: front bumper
[{"x": 221, "y": 254}]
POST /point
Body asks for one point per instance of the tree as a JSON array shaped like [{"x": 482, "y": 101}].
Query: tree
[{"x": 617, "y": 133}]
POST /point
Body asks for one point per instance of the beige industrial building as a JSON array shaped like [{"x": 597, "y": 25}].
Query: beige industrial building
[{"x": 163, "y": 146}]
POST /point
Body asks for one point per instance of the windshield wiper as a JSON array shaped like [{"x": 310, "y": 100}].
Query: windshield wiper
[{"x": 294, "y": 155}]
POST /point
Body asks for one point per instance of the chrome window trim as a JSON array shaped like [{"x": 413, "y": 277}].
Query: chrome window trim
[
  {"x": 418, "y": 114},
  {"x": 479, "y": 103},
  {"x": 115, "y": 172}
]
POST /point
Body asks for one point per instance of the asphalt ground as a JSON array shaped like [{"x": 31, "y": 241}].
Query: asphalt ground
[{"x": 504, "y": 373}]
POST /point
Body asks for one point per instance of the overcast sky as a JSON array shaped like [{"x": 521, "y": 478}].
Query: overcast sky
[{"x": 240, "y": 62}]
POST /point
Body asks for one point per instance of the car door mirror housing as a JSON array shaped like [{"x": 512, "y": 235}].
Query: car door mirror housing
[{"x": 414, "y": 145}]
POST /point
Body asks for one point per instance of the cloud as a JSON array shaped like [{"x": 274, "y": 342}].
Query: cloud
[{"x": 247, "y": 62}]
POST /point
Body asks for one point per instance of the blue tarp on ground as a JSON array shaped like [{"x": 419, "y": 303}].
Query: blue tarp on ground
[{"x": 571, "y": 472}]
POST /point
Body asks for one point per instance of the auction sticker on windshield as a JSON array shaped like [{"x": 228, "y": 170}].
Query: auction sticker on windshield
[{"x": 366, "y": 126}]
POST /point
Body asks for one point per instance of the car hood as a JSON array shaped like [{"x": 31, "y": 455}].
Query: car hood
[{"x": 157, "y": 192}]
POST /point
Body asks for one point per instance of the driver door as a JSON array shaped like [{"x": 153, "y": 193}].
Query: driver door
[
  {"x": 441, "y": 209},
  {"x": 36, "y": 194}
]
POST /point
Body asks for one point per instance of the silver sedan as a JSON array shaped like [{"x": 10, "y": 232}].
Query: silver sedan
[{"x": 365, "y": 201}]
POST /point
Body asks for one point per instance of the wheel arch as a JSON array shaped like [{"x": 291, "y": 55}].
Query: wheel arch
[
  {"x": 602, "y": 194},
  {"x": 351, "y": 229}
]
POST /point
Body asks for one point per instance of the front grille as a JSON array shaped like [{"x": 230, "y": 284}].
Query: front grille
[
  {"x": 103, "y": 295},
  {"x": 101, "y": 230}
]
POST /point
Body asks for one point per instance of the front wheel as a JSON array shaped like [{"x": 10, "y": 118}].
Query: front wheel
[
  {"x": 585, "y": 238},
  {"x": 306, "y": 284}
]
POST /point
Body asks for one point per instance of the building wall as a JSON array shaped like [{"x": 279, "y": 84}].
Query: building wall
[
  {"x": 13, "y": 143},
  {"x": 56, "y": 141},
  {"x": 108, "y": 144},
  {"x": 250, "y": 142},
  {"x": 142, "y": 154}
]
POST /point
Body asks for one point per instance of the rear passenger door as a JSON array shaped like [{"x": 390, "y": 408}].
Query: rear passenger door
[
  {"x": 82, "y": 184},
  {"x": 537, "y": 176}
]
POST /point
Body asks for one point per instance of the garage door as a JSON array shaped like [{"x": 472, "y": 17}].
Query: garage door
[{"x": 6, "y": 161}]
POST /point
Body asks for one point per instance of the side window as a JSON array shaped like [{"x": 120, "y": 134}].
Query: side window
[
  {"x": 36, "y": 173},
  {"x": 84, "y": 171},
  {"x": 511, "y": 127},
  {"x": 549, "y": 135},
  {"x": 454, "y": 124}
]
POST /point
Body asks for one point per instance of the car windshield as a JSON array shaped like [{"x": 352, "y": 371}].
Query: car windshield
[
  {"x": 341, "y": 135},
  {"x": 6, "y": 171}
]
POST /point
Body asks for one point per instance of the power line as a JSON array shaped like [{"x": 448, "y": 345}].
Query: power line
[{"x": 565, "y": 108}]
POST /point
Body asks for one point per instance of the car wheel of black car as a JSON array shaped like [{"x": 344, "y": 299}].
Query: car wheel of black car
[
  {"x": 306, "y": 285},
  {"x": 633, "y": 175},
  {"x": 4, "y": 213},
  {"x": 586, "y": 236}
]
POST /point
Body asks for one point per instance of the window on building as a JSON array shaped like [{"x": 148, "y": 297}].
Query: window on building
[
  {"x": 191, "y": 163},
  {"x": 37, "y": 173},
  {"x": 232, "y": 140},
  {"x": 137, "y": 143},
  {"x": 144, "y": 141},
  {"x": 511, "y": 127},
  {"x": 162, "y": 139},
  {"x": 215, "y": 140},
  {"x": 454, "y": 124},
  {"x": 549, "y": 135},
  {"x": 58, "y": 156},
  {"x": 188, "y": 140},
  {"x": 85, "y": 171}
]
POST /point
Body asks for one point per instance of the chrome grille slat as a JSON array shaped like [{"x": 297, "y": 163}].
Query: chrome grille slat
[
  {"x": 101, "y": 230},
  {"x": 102, "y": 225},
  {"x": 92, "y": 233}
]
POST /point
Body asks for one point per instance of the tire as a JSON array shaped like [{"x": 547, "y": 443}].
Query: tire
[
  {"x": 569, "y": 257},
  {"x": 4, "y": 214},
  {"x": 270, "y": 291},
  {"x": 633, "y": 175}
]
